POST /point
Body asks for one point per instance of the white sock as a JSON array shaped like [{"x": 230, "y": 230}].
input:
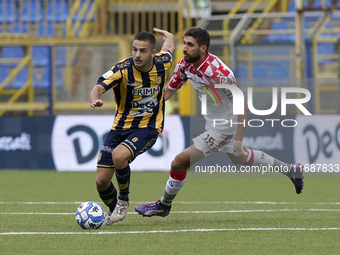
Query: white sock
[
  {"x": 172, "y": 188},
  {"x": 261, "y": 158},
  {"x": 258, "y": 158}
]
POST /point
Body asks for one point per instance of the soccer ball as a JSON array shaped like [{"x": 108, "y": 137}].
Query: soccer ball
[{"x": 90, "y": 215}]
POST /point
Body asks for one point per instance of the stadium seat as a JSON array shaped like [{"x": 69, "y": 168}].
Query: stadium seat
[
  {"x": 308, "y": 24},
  {"x": 271, "y": 69},
  {"x": 41, "y": 78},
  {"x": 32, "y": 11},
  {"x": 271, "y": 51},
  {"x": 279, "y": 37},
  {"x": 242, "y": 70},
  {"x": 11, "y": 52},
  {"x": 45, "y": 30},
  {"x": 60, "y": 77},
  {"x": 3, "y": 75},
  {"x": 41, "y": 56},
  {"x": 268, "y": 72},
  {"x": 328, "y": 25},
  {"x": 57, "y": 11},
  {"x": 84, "y": 16},
  {"x": 9, "y": 9},
  {"x": 325, "y": 49},
  {"x": 318, "y": 4},
  {"x": 292, "y": 8},
  {"x": 17, "y": 29},
  {"x": 260, "y": 51},
  {"x": 312, "y": 19},
  {"x": 315, "y": 4},
  {"x": 61, "y": 55},
  {"x": 336, "y": 14},
  {"x": 259, "y": 70},
  {"x": 75, "y": 33},
  {"x": 280, "y": 69},
  {"x": 20, "y": 79}
]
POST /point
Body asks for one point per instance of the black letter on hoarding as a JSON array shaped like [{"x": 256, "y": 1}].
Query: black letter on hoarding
[
  {"x": 326, "y": 140},
  {"x": 311, "y": 128},
  {"x": 83, "y": 159},
  {"x": 337, "y": 136},
  {"x": 159, "y": 152}
]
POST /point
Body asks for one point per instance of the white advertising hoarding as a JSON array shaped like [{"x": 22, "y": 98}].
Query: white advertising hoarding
[
  {"x": 317, "y": 140},
  {"x": 76, "y": 141}
]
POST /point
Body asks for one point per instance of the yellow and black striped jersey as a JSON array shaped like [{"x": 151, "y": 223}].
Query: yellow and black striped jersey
[{"x": 139, "y": 95}]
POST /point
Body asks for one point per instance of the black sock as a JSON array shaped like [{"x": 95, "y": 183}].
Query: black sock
[
  {"x": 123, "y": 179},
  {"x": 109, "y": 197}
]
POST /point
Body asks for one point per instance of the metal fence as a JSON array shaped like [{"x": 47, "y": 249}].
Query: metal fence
[
  {"x": 71, "y": 51},
  {"x": 261, "y": 49}
]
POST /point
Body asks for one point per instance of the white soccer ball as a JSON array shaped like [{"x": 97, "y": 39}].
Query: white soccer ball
[{"x": 90, "y": 215}]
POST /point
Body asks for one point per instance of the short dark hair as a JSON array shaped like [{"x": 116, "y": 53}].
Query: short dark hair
[
  {"x": 201, "y": 36},
  {"x": 146, "y": 36}
]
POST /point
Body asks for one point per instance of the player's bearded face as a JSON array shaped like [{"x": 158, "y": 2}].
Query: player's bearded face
[
  {"x": 142, "y": 54},
  {"x": 191, "y": 50},
  {"x": 191, "y": 57}
]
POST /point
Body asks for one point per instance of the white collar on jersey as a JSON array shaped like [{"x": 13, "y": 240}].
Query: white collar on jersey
[{"x": 204, "y": 60}]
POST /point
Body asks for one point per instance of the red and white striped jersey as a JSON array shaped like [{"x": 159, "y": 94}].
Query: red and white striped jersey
[{"x": 203, "y": 78}]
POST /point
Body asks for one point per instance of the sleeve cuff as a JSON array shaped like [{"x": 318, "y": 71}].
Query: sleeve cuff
[{"x": 171, "y": 88}]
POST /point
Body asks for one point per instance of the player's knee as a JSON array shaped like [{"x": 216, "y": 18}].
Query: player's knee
[
  {"x": 101, "y": 183},
  {"x": 179, "y": 165},
  {"x": 119, "y": 160}
]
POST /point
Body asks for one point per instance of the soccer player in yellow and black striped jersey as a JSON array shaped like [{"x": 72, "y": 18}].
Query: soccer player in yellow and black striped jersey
[{"x": 138, "y": 84}]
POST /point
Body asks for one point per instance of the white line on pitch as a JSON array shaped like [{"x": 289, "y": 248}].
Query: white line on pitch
[
  {"x": 184, "y": 212},
  {"x": 189, "y": 202},
  {"x": 41, "y": 203},
  {"x": 168, "y": 231}
]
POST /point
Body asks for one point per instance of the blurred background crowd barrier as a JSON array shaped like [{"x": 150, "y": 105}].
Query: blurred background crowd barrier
[{"x": 52, "y": 52}]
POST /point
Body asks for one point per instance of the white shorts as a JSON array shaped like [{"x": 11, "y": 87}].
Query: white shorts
[{"x": 211, "y": 141}]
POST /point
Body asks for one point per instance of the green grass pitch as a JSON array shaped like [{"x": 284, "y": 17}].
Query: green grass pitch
[{"x": 209, "y": 216}]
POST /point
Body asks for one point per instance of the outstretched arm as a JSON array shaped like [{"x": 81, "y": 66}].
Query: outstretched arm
[
  {"x": 95, "y": 95},
  {"x": 168, "y": 93},
  {"x": 168, "y": 38}
]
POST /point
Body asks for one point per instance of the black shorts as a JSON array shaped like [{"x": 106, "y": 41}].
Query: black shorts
[{"x": 136, "y": 140}]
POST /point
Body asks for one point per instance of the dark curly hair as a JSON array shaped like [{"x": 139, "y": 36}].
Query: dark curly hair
[{"x": 201, "y": 36}]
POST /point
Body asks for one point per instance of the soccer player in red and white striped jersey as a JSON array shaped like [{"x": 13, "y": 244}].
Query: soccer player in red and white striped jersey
[{"x": 203, "y": 70}]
